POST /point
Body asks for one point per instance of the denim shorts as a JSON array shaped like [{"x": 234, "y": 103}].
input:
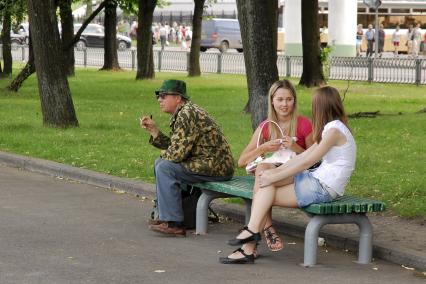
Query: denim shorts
[{"x": 309, "y": 190}]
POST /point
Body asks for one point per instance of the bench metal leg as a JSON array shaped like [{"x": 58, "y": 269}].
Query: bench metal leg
[
  {"x": 311, "y": 240},
  {"x": 248, "y": 210},
  {"x": 202, "y": 218},
  {"x": 365, "y": 240},
  {"x": 318, "y": 221}
]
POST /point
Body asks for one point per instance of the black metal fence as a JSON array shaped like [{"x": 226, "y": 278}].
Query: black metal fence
[{"x": 387, "y": 70}]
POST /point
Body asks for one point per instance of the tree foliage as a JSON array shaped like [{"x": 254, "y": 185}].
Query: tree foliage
[{"x": 16, "y": 8}]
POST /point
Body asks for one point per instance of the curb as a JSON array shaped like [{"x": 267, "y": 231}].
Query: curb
[
  {"x": 384, "y": 251},
  {"x": 82, "y": 175}
]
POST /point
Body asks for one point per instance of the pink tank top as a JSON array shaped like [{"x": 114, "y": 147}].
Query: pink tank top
[{"x": 304, "y": 128}]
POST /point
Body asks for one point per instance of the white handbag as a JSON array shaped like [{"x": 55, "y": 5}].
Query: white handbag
[{"x": 281, "y": 156}]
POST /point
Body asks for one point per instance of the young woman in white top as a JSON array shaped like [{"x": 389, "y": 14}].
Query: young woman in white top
[{"x": 292, "y": 185}]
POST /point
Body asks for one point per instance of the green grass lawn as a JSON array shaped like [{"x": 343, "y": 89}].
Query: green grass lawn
[{"x": 391, "y": 164}]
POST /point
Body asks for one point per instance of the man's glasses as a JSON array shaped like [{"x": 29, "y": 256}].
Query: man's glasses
[{"x": 161, "y": 95}]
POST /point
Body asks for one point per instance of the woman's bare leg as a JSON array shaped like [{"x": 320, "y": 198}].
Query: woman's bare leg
[
  {"x": 284, "y": 196},
  {"x": 261, "y": 168}
]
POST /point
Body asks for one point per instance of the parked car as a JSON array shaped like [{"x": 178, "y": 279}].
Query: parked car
[
  {"x": 15, "y": 39},
  {"x": 222, "y": 34},
  {"x": 93, "y": 36}
]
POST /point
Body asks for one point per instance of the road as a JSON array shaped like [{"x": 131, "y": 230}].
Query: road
[{"x": 59, "y": 231}]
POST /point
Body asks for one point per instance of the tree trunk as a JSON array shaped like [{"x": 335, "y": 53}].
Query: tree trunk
[
  {"x": 26, "y": 71},
  {"x": 194, "y": 56},
  {"x": 55, "y": 96},
  {"x": 110, "y": 39},
  {"x": 312, "y": 74},
  {"x": 145, "y": 52},
  {"x": 67, "y": 24},
  {"x": 258, "y": 24},
  {"x": 89, "y": 8},
  {"x": 5, "y": 37},
  {"x": 30, "y": 67}
]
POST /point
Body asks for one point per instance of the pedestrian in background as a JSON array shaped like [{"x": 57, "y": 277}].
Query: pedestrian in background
[
  {"x": 369, "y": 35},
  {"x": 417, "y": 39},
  {"x": 424, "y": 44},
  {"x": 382, "y": 36},
  {"x": 163, "y": 36},
  {"x": 359, "y": 36},
  {"x": 409, "y": 43},
  {"x": 183, "y": 38},
  {"x": 396, "y": 39}
]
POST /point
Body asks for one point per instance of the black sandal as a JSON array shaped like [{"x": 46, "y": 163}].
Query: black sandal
[
  {"x": 255, "y": 237},
  {"x": 272, "y": 238},
  {"x": 248, "y": 258}
]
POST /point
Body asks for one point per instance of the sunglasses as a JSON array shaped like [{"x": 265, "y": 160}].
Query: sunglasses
[{"x": 163, "y": 95}]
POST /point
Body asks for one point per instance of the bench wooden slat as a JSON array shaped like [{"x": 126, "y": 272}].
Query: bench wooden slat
[{"x": 242, "y": 186}]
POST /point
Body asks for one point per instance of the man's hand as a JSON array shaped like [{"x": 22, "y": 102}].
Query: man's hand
[{"x": 149, "y": 125}]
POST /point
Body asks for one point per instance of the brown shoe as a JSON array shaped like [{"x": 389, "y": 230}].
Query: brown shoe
[
  {"x": 165, "y": 229},
  {"x": 155, "y": 222}
]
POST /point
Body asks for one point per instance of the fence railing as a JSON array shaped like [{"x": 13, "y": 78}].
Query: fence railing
[{"x": 387, "y": 70}]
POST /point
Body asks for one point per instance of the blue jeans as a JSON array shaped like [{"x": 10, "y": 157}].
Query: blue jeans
[
  {"x": 309, "y": 190},
  {"x": 169, "y": 178}
]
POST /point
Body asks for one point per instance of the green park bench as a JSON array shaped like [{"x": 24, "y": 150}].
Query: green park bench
[{"x": 342, "y": 210}]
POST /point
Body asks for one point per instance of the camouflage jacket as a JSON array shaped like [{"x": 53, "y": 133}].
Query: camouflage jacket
[{"x": 196, "y": 142}]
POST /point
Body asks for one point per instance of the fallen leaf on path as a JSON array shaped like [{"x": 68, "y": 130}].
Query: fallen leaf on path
[{"x": 406, "y": 267}]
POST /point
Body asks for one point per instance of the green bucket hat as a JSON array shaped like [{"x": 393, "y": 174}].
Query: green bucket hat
[{"x": 176, "y": 87}]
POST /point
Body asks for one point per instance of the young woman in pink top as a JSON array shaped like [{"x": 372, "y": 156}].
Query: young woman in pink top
[{"x": 282, "y": 109}]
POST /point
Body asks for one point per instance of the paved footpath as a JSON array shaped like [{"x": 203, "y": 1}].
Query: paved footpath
[{"x": 58, "y": 231}]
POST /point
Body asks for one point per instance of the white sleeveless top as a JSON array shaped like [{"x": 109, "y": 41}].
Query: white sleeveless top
[{"x": 339, "y": 162}]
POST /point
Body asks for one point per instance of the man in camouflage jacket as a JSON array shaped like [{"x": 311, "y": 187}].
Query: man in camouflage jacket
[{"x": 196, "y": 151}]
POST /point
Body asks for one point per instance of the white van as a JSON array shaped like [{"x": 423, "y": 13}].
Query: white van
[{"x": 221, "y": 34}]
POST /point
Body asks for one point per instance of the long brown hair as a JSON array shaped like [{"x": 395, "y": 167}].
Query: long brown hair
[
  {"x": 272, "y": 114},
  {"x": 326, "y": 106}
]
